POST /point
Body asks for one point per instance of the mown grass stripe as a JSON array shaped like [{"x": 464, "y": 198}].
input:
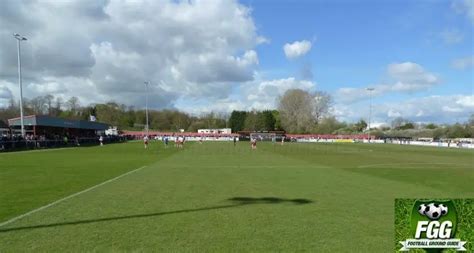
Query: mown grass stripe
[{"x": 66, "y": 198}]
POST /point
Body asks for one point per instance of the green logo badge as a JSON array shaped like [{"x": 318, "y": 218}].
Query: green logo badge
[{"x": 433, "y": 225}]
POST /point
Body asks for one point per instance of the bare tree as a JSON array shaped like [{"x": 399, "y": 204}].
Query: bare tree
[
  {"x": 57, "y": 107},
  {"x": 38, "y": 105},
  {"x": 296, "y": 111},
  {"x": 73, "y": 105},
  {"x": 13, "y": 105},
  {"x": 399, "y": 122},
  {"x": 49, "y": 103},
  {"x": 321, "y": 103},
  {"x": 470, "y": 122}
]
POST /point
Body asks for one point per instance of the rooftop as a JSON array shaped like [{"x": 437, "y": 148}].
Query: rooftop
[{"x": 43, "y": 120}]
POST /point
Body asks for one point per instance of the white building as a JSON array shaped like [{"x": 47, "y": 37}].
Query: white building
[
  {"x": 112, "y": 131},
  {"x": 215, "y": 131}
]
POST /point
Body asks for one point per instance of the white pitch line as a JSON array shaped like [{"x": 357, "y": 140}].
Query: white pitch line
[
  {"x": 66, "y": 198},
  {"x": 410, "y": 164},
  {"x": 252, "y": 166},
  {"x": 34, "y": 151}
]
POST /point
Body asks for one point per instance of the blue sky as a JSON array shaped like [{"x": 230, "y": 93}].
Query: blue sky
[
  {"x": 354, "y": 41},
  {"x": 222, "y": 55}
]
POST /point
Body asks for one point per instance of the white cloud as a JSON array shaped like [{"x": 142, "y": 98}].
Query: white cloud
[
  {"x": 222, "y": 105},
  {"x": 407, "y": 77},
  {"x": 447, "y": 108},
  {"x": 265, "y": 94},
  {"x": 409, "y": 72},
  {"x": 437, "y": 109},
  {"x": 463, "y": 63},
  {"x": 263, "y": 40},
  {"x": 466, "y": 101},
  {"x": 297, "y": 49},
  {"x": 434, "y": 108},
  {"x": 465, "y": 7},
  {"x": 392, "y": 113},
  {"x": 102, "y": 50},
  {"x": 5, "y": 93},
  {"x": 258, "y": 94}
]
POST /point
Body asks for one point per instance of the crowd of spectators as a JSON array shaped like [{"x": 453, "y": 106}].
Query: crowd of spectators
[
  {"x": 17, "y": 142},
  {"x": 139, "y": 135}
]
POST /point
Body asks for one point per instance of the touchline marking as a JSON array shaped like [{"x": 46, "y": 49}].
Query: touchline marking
[
  {"x": 252, "y": 166},
  {"x": 35, "y": 151},
  {"x": 395, "y": 164},
  {"x": 66, "y": 198}
]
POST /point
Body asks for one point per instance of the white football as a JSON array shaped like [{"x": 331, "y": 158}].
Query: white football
[
  {"x": 421, "y": 209},
  {"x": 433, "y": 211},
  {"x": 444, "y": 209}
]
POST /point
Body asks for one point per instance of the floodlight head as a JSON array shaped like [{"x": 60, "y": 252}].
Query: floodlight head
[
  {"x": 370, "y": 89},
  {"x": 19, "y": 37}
]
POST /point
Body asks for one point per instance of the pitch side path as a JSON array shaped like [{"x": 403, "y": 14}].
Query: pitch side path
[{"x": 215, "y": 197}]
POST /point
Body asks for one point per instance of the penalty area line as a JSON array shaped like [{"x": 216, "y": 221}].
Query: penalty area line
[{"x": 66, "y": 198}]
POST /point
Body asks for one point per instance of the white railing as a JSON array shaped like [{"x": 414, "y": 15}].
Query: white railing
[{"x": 403, "y": 142}]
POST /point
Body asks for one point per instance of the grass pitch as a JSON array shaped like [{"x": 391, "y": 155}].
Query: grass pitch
[{"x": 215, "y": 197}]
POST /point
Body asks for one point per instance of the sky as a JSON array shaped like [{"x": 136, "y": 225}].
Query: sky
[{"x": 203, "y": 56}]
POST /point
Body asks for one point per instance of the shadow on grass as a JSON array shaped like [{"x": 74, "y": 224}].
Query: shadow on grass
[{"x": 236, "y": 202}]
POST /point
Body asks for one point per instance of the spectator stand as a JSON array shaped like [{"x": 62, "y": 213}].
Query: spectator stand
[{"x": 49, "y": 132}]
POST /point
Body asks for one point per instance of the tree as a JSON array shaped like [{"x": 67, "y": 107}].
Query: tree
[
  {"x": 321, "y": 104},
  {"x": 129, "y": 118},
  {"x": 276, "y": 116},
  {"x": 73, "y": 106},
  {"x": 237, "y": 120},
  {"x": 195, "y": 125},
  {"x": 268, "y": 120},
  {"x": 360, "y": 126},
  {"x": 57, "y": 107},
  {"x": 179, "y": 120},
  {"x": 140, "y": 120},
  {"x": 251, "y": 122},
  {"x": 456, "y": 131},
  {"x": 49, "y": 103},
  {"x": 12, "y": 104},
  {"x": 398, "y": 122},
  {"x": 92, "y": 111},
  {"x": 406, "y": 126},
  {"x": 431, "y": 126},
  {"x": 109, "y": 113},
  {"x": 296, "y": 111},
  {"x": 223, "y": 119},
  {"x": 328, "y": 125},
  {"x": 439, "y": 133},
  {"x": 37, "y": 105},
  {"x": 11, "y": 111},
  {"x": 469, "y": 131},
  {"x": 471, "y": 120},
  {"x": 213, "y": 121}
]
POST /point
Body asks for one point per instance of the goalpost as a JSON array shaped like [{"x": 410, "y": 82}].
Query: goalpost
[{"x": 265, "y": 137}]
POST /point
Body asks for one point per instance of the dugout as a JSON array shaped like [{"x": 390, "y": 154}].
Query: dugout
[
  {"x": 4, "y": 129},
  {"x": 50, "y": 127}
]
